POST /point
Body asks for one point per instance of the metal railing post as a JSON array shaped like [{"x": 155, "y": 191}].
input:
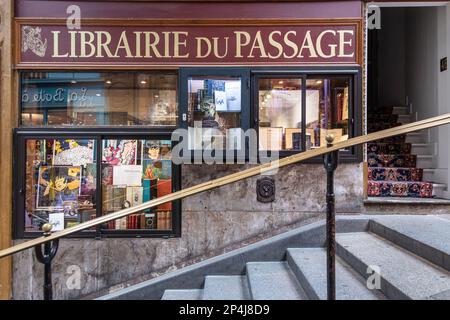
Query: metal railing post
[
  {"x": 45, "y": 254},
  {"x": 331, "y": 162}
]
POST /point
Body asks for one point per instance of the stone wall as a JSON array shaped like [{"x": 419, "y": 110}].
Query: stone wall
[{"x": 211, "y": 222}]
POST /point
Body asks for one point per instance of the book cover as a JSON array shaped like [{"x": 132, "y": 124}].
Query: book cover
[
  {"x": 73, "y": 152},
  {"x": 107, "y": 174},
  {"x": 164, "y": 187},
  {"x": 120, "y": 152}
]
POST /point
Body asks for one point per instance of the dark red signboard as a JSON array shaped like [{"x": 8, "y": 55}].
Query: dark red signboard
[{"x": 199, "y": 44}]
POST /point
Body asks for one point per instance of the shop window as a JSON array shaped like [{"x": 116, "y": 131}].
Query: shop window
[
  {"x": 60, "y": 183},
  {"x": 294, "y": 111},
  {"x": 98, "y": 99},
  {"x": 327, "y": 109},
  {"x": 136, "y": 171},
  {"x": 214, "y": 106}
]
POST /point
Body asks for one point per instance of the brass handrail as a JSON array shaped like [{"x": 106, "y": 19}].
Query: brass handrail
[{"x": 411, "y": 127}]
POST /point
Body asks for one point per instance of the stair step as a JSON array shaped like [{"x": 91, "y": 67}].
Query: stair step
[
  {"x": 309, "y": 265},
  {"x": 187, "y": 294},
  {"x": 403, "y": 274},
  {"x": 226, "y": 288},
  {"x": 401, "y": 110},
  {"x": 273, "y": 281},
  {"x": 417, "y": 137},
  {"x": 421, "y": 149},
  {"x": 399, "y": 189},
  {"x": 404, "y": 118},
  {"x": 439, "y": 189},
  {"x": 424, "y": 161},
  {"x": 425, "y": 236},
  {"x": 394, "y": 174}
]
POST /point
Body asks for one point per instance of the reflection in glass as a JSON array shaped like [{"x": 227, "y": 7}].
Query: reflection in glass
[
  {"x": 98, "y": 98},
  {"x": 60, "y": 182},
  {"x": 133, "y": 172},
  {"x": 327, "y": 109},
  {"x": 214, "y": 112},
  {"x": 280, "y": 114}
]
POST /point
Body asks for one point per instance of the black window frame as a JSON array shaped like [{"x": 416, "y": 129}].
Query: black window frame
[
  {"x": 98, "y": 133},
  {"x": 351, "y": 155}
]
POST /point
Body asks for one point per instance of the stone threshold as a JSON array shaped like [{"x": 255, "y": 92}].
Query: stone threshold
[{"x": 401, "y": 200}]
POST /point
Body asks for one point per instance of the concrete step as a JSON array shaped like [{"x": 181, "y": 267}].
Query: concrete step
[
  {"x": 187, "y": 294},
  {"x": 421, "y": 149},
  {"x": 273, "y": 281},
  {"x": 401, "y": 110},
  {"x": 428, "y": 174},
  {"x": 417, "y": 137},
  {"x": 424, "y": 161},
  {"x": 425, "y": 236},
  {"x": 403, "y": 275},
  {"x": 226, "y": 288},
  {"x": 404, "y": 118},
  {"x": 309, "y": 265},
  {"x": 439, "y": 189}
]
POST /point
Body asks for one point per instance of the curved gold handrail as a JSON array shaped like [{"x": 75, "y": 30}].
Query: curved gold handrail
[{"x": 411, "y": 127}]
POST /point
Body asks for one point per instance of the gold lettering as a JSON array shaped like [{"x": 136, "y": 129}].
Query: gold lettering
[
  {"x": 138, "y": 44},
  {"x": 290, "y": 44},
  {"x": 258, "y": 44},
  {"x": 56, "y": 46},
  {"x": 123, "y": 44},
  {"x": 206, "y": 41},
  {"x": 216, "y": 47},
  {"x": 275, "y": 44},
  {"x": 73, "y": 44},
  {"x": 239, "y": 43},
  {"x": 167, "y": 44},
  {"x": 307, "y": 44},
  {"x": 84, "y": 43},
  {"x": 103, "y": 45},
  {"x": 151, "y": 45},
  {"x": 319, "y": 45},
  {"x": 343, "y": 42},
  {"x": 177, "y": 43}
]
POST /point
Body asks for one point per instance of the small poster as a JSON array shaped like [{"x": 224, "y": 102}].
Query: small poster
[
  {"x": 233, "y": 94},
  {"x": 57, "y": 185},
  {"x": 127, "y": 175},
  {"x": 72, "y": 152},
  {"x": 119, "y": 152},
  {"x": 220, "y": 100},
  {"x": 56, "y": 219}
]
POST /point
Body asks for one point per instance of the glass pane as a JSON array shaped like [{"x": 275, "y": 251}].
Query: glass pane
[
  {"x": 60, "y": 182},
  {"x": 280, "y": 114},
  {"x": 327, "y": 105},
  {"x": 214, "y": 112},
  {"x": 98, "y": 98},
  {"x": 133, "y": 172}
]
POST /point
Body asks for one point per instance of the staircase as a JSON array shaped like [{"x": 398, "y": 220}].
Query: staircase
[
  {"x": 411, "y": 252},
  {"x": 400, "y": 166}
]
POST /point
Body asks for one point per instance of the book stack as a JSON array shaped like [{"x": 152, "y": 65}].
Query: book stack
[{"x": 164, "y": 220}]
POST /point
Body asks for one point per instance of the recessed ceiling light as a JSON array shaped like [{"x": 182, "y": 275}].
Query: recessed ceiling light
[
  {"x": 280, "y": 82},
  {"x": 73, "y": 81},
  {"x": 156, "y": 96},
  {"x": 319, "y": 81},
  {"x": 108, "y": 81},
  {"x": 143, "y": 82}
]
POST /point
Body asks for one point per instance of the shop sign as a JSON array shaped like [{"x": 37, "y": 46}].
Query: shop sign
[{"x": 302, "y": 43}]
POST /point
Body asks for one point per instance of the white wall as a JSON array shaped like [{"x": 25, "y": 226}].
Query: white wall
[{"x": 427, "y": 41}]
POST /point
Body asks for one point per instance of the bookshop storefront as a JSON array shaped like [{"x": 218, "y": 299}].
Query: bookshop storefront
[{"x": 98, "y": 106}]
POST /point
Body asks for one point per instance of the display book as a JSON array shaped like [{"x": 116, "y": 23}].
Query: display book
[
  {"x": 63, "y": 181},
  {"x": 138, "y": 175}
]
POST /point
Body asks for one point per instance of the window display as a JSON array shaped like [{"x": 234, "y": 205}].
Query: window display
[
  {"x": 136, "y": 171},
  {"x": 98, "y": 98},
  {"x": 280, "y": 114},
  {"x": 60, "y": 182},
  {"x": 327, "y": 108},
  {"x": 214, "y": 112}
]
